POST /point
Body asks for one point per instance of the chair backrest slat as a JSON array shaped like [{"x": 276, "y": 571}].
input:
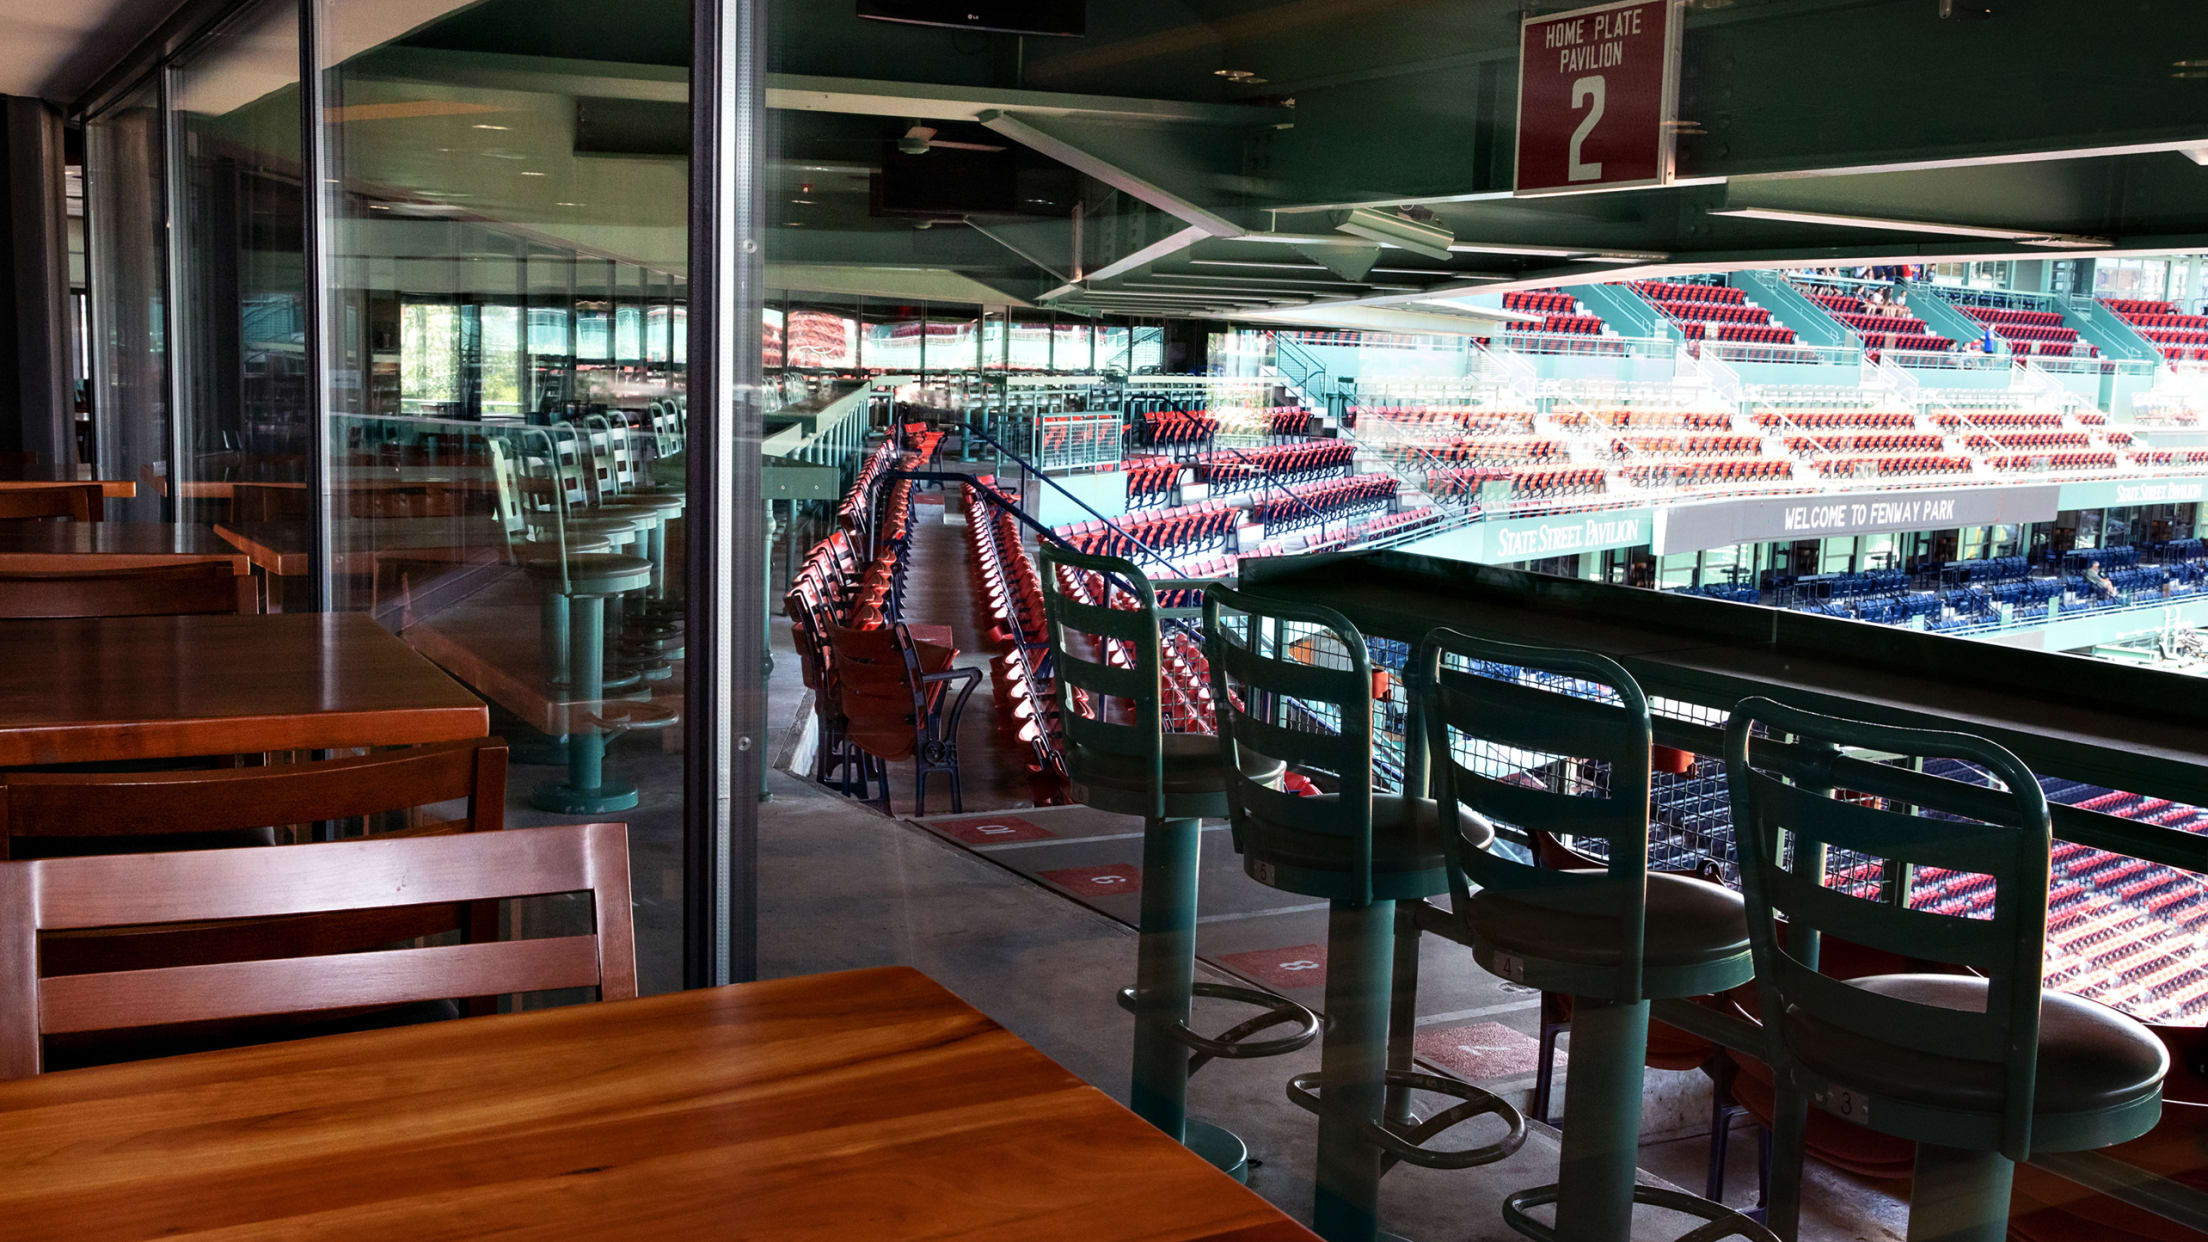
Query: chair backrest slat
[
  {"x": 1275, "y": 701},
  {"x": 1085, "y": 633},
  {"x": 1782, "y": 764},
  {"x": 133, "y": 890},
  {"x": 1577, "y": 717},
  {"x": 217, "y": 990},
  {"x": 112, "y": 804}
]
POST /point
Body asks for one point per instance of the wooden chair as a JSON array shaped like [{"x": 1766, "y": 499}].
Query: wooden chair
[
  {"x": 81, "y": 502},
  {"x": 45, "y": 814},
  {"x": 137, "y": 890},
  {"x": 168, "y": 591}
]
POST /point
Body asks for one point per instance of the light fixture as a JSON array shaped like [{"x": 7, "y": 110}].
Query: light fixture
[
  {"x": 564, "y": 203},
  {"x": 1402, "y": 232},
  {"x": 2028, "y": 237},
  {"x": 805, "y": 202},
  {"x": 1240, "y": 77},
  {"x": 500, "y": 128},
  {"x": 530, "y": 173},
  {"x": 1581, "y": 253}
]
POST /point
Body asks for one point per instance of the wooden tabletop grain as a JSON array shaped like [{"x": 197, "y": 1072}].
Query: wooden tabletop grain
[
  {"x": 44, "y": 547},
  {"x": 868, "y": 1105},
  {"x": 85, "y": 691}
]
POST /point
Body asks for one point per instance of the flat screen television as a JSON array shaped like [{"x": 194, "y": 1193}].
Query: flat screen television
[{"x": 1035, "y": 17}]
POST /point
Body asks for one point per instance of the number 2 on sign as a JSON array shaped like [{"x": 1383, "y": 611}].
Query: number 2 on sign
[{"x": 1587, "y": 93}]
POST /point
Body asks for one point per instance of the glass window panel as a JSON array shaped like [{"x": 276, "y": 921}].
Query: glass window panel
[
  {"x": 240, "y": 217},
  {"x": 1030, "y": 345},
  {"x": 519, "y": 309},
  {"x": 824, "y": 338},
  {"x": 128, "y": 240},
  {"x": 1113, "y": 348},
  {"x": 1072, "y": 347},
  {"x": 771, "y": 336},
  {"x": 954, "y": 342}
]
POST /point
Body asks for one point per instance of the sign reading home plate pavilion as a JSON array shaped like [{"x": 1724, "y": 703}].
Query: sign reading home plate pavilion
[{"x": 1596, "y": 91}]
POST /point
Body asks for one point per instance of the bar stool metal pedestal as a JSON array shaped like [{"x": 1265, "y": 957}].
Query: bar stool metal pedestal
[
  {"x": 585, "y": 581},
  {"x": 1294, "y": 685},
  {"x": 1109, "y": 682},
  {"x": 1611, "y": 939}
]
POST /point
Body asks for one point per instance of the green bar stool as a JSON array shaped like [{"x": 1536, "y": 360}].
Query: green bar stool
[
  {"x": 1294, "y": 685},
  {"x": 1982, "y": 1069},
  {"x": 1108, "y": 671},
  {"x": 1493, "y": 715}
]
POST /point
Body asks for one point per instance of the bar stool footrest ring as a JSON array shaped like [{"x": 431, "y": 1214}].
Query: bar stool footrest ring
[
  {"x": 1306, "y": 1091},
  {"x": 1234, "y": 1043},
  {"x": 1720, "y": 1221}
]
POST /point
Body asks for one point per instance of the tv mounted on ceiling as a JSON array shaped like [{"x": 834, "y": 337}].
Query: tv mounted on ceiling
[{"x": 1035, "y": 17}]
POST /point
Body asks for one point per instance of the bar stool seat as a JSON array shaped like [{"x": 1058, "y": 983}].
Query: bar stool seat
[
  {"x": 1409, "y": 852},
  {"x": 2092, "y": 1060},
  {"x": 1691, "y": 922},
  {"x": 591, "y": 573},
  {"x": 1193, "y": 787}
]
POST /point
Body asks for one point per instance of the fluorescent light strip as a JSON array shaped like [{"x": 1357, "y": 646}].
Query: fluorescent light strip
[
  {"x": 2030, "y": 237},
  {"x": 1293, "y": 284},
  {"x": 1589, "y": 253}
]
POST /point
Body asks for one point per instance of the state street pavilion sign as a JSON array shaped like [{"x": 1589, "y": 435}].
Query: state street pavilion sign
[
  {"x": 1505, "y": 542},
  {"x": 1597, "y": 89}
]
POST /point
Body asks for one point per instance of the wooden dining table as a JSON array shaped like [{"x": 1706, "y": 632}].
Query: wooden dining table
[
  {"x": 18, "y": 475},
  {"x": 108, "y": 689},
  {"x": 47, "y": 547},
  {"x": 284, "y": 548},
  {"x": 869, "y": 1104}
]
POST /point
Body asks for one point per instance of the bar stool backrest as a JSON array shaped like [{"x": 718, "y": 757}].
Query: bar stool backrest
[
  {"x": 525, "y": 503},
  {"x": 1494, "y": 712},
  {"x": 1788, "y": 819},
  {"x": 1123, "y": 711},
  {"x": 1292, "y": 684}
]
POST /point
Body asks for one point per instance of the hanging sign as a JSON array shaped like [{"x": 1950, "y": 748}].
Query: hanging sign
[{"x": 1597, "y": 89}]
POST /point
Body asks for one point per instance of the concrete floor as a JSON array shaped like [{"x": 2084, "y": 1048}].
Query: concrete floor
[{"x": 1012, "y": 927}]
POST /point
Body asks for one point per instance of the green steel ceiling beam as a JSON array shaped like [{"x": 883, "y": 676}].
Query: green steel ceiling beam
[
  {"x": 947, "y": 102},
  {"x": 1174, "y": 169}
]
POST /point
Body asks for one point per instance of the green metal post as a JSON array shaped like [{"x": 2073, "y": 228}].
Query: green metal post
[
  {"x": 554, "y": 637},
  {"x": 1959, "y": 1196},
  {"x": 586, "y": 790},
  {"x": 1353, "y": 1063},
  {"x": 1789, "y": 1131},
  {"x": 1165, "y": 972},
  {"x": 1403, "y": 1012},
  {"x": 1602, "y": 1123},
  {"x": 586, "y": 746}
]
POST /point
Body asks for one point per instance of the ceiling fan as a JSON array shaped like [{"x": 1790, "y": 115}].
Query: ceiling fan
[{"x": 921, "y": 138}]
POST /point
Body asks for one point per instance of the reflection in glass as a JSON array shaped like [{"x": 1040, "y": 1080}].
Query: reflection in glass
[
  {"x": 129, "y": 257},
  {"x": 504, "y": 330},
  {"x": 240, "y": 228}
]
